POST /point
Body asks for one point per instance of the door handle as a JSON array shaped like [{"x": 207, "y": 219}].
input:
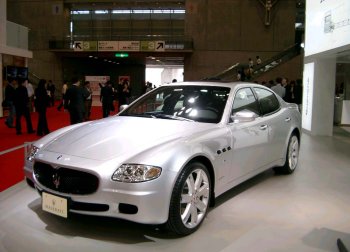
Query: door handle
[
  {"x": 287, "y": 119},
  {"x": 263, "y": 127}
]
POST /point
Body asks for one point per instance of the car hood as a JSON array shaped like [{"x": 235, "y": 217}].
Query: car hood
[{"x": 115, "y": 136}]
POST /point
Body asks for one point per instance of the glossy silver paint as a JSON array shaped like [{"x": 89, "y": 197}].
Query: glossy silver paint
[{"x": 233, "y": 151}]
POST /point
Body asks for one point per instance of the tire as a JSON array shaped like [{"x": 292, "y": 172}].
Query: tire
[
  {"x": 292, "y": 156},
  {"x": 190, "y": 199}
]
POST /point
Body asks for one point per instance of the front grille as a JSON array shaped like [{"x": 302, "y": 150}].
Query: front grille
[{"x": 65, "y": 180}]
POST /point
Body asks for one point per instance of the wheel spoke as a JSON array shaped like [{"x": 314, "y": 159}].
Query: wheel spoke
[
  {"x": 194, "y": 215},
  {"x": 186, "y": 214},
  {"x": 201, "y": 206},
  {"x": 190, "y": 183},
  {"x": 199, "y": 179},
  {"x": 204, "y": 190},
  {"x": 185, "y": 198}
]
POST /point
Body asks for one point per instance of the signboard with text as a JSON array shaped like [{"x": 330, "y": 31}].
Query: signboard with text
[
  {"x": 129, "y": 46},
  {"x": 121, "y": 46}
]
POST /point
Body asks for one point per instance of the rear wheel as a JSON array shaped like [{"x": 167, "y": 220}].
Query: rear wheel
[
  {"x": 190, "y": 199},
  {"x": 292, "y": 156}
]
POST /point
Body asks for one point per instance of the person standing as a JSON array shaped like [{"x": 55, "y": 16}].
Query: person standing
[
  {"x": 88, "y": 100},
  {"x": 21, "y": 102},
  {"x": 284, "y": 82},
  {"x": 106, "y": 98},
  {"x": 258, "y": 60},
  {"x": 41, "y": 102},
  {"x": 9, "y": 100},
  {"x": 74, "y": 102},
  {"x": 30, "y": 90},
  {"x": 124, "y": 92},
  {"x": 290, "y": 92},
  {"x": 51, "y": 87},
  {"x": 278, "y": 88},
  {"x": 298, "y": 92},
  {"x": 250, "y": 63},
  {"x": 63, "y": 92}
]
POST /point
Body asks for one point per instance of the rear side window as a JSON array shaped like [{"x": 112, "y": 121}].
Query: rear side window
[
  {"x": 245, "y": 100},
  {"x": 268, "y": 101}
]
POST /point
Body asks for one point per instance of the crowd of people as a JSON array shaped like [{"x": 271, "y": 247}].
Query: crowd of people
[
  {"x": 18, "y": 94},
  {"x": 20, "y": 99},
  {"x": 291, "y": 91}
]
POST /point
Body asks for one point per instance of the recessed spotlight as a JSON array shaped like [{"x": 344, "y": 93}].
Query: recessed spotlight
[{"x": 90, "y": 56}]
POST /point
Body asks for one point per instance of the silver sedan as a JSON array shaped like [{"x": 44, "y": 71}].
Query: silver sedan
[{"x": 166, "y": 156}]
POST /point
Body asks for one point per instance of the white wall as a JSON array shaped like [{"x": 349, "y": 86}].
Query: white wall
[
  {"x": 326, "y": 34},
  {"x": 163, "y": 75}
]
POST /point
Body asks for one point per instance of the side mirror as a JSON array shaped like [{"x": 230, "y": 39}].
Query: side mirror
[
  {"x": 244, "y": 116},
  {"x": 122, "y": 107}
]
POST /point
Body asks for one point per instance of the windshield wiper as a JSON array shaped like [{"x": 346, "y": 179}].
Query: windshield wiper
[
  {"x": 172, "y": 117},
  {"x": 160, "y": 115}
]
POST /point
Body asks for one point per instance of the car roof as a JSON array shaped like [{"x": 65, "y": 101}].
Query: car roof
[{"x": 214, "y": 83}]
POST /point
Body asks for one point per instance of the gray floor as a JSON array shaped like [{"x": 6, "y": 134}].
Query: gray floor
[{"x": 306, "y": 211}]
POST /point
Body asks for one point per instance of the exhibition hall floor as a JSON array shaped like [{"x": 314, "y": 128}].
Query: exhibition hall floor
[{"x": 306, "y": 211}]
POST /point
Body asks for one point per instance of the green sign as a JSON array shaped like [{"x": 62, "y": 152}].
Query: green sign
[{"x": 121, "y": 55}]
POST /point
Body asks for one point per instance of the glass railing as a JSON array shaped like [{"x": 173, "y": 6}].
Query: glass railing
[{"x": 16, "y": 35}]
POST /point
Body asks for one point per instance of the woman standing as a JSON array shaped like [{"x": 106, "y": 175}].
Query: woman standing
[{"x": 41, "y": 102}]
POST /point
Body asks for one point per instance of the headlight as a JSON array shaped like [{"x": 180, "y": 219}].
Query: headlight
[
  {"x": 32, "y": 152},
  {"x": 133, "y": 173}
]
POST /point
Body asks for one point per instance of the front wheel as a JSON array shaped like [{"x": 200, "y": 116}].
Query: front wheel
[
  {"x": 190, "y": 199},
  {"x": 292, "y": 156}
]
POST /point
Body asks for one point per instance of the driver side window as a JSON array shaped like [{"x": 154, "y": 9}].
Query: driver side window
[{"x": 245, "y": 100}]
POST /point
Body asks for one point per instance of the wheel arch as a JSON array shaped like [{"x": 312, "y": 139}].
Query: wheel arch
[{"x": 296, "y": 131}]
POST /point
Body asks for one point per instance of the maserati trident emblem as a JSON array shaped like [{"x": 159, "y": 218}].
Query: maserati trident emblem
[
  {"x": 56, "y": 180},
  {"x": 59, "y": 157}
]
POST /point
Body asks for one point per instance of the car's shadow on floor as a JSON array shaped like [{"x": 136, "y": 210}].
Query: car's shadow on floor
[
  {"x": 99, "y": 228},
  {"x": 122, "y": 231},
  {"x": 244, "y": 187}
]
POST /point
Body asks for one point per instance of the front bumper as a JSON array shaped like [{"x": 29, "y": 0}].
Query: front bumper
[
  {"x": 145, "y": 202},
  {"x": 148, "y": 207}
]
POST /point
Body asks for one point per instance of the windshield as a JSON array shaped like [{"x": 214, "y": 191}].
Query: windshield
[{"x": 191, "y": 103}]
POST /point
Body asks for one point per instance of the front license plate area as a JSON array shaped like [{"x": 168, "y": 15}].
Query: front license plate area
[{"x": 55, "y": 204}]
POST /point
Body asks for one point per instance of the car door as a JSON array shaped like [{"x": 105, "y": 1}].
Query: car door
[
  {"x": 278, "y": 123},
  {"x": 249, "y": 139}
]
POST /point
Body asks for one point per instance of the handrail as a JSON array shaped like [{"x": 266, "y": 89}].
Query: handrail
[{"x": 255, "y": 71}]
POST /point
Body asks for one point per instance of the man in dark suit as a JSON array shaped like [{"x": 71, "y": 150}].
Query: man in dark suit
[
  {"x": 74, "y": 102},
  {"x": 106, "y": 98},
  {"x": 21, "y": 101}
]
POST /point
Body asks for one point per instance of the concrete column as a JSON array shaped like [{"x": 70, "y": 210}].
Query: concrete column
[
  {"x": 318, "y": 96},
  {"x": 3, "y": 36},
  {"x": 345, "y": 116},
  {"x": 3, "y": 19},
  {"x": 347, "y": 82},
  {"x": 1, "y": 86}
]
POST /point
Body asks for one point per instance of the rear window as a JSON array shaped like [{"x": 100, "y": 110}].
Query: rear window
[{"x": 267, "y": 100}]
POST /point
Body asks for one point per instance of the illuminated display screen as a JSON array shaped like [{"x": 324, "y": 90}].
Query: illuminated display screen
[{"x": 327, "y": 25}]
